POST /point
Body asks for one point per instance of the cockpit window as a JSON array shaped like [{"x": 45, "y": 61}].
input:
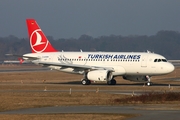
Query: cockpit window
[
  {"x": 160, "y": 60},
  {"x": 164, "y": 60},
  {"x": 155, "y": 60}
]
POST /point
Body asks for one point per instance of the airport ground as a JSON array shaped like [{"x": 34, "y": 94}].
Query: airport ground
[{"x": 39, "y": 88}]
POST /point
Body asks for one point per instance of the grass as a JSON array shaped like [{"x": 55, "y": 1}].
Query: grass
[
  {"x": 19, "y": 100},
  {"x": 152, "y": 97},
  {"x": 30, "y": 96},
  {"x": 68, "y": 117}
]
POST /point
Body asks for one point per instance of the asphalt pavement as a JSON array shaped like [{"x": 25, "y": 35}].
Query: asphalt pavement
[{"x": 144, "y": 112}]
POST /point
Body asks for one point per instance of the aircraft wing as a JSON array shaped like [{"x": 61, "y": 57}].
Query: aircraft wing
[
  {"x": 75, "y": 66},
  {"x": 24, "y": 57}
]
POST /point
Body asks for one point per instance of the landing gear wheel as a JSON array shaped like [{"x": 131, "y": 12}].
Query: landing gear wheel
[
  {"x": 111, "y": 82},
  {"x": 85, "y": 82},
  {"x": 88, "y": 82},
  {"x": 149, "y": 83}
]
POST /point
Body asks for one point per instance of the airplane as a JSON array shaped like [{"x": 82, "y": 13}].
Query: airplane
[{"x": 95, "y": 66}]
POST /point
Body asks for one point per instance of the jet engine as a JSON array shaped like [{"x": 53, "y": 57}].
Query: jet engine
[{"x": 100, "y": 75}]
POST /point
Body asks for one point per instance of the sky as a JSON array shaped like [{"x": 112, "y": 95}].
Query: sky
[{"x": 73, "y": 18}]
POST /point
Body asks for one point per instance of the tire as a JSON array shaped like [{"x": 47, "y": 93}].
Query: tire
[
  {"x": 88, "y": 82},
  {"x": 84, "y": 82},
  {"x": 111, "y": 82},
  {"x": 149, "y": 83}
]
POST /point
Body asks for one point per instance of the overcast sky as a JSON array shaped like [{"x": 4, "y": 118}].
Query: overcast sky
[{"x": 73, "y": 18}]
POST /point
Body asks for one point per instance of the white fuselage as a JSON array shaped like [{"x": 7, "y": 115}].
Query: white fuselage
[{"x": 122, "y": 63}]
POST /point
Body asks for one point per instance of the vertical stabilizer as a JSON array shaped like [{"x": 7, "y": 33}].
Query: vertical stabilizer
[{"x": 38, "y": 41}]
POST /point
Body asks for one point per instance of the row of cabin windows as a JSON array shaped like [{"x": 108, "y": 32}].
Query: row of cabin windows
[{"x": 98, "y": 60}]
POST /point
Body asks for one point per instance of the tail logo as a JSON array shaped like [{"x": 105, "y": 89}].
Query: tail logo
[{"x": 37, "y": 42}]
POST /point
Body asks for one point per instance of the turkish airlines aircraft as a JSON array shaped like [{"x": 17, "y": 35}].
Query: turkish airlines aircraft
[{"x": 95, "y": 66}]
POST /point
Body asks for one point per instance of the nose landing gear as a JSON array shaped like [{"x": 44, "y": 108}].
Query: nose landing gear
[{"x": 149, "y": 83}]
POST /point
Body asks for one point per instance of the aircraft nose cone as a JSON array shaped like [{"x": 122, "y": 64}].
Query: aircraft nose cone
[{"x": 170, "y": 68}]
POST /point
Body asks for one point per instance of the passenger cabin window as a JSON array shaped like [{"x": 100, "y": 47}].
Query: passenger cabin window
[{"x": 160, "y": 60}]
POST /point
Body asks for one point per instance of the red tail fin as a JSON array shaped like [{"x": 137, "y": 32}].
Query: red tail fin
[{"x": 38, "y": 41}]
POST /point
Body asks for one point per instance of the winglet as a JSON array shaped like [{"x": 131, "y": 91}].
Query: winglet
[{"x": 38, "y": 41}]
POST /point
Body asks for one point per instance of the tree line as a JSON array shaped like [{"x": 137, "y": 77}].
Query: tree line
[{"x": 166, "y": 43}]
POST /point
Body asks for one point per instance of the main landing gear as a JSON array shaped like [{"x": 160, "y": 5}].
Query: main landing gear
[{"x": 86, "y": 81}]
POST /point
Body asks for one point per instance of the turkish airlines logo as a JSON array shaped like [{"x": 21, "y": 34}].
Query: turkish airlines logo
[{"x": 38, "y": 41}]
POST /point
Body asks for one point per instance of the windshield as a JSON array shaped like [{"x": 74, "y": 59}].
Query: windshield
[{"x": 160, "y": 60}]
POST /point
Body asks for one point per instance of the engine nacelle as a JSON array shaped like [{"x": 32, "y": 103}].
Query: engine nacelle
[
  {"x": 100, "y": 75},
  {"x": 136, "y": 78}
]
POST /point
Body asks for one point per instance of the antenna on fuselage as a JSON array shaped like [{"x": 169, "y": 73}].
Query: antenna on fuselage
[
  {"x": 148, "y": 51},
  {"x": 81, "y": 50}
]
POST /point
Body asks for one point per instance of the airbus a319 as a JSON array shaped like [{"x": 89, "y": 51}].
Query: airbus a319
[{"x": 95, "y": 66}]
